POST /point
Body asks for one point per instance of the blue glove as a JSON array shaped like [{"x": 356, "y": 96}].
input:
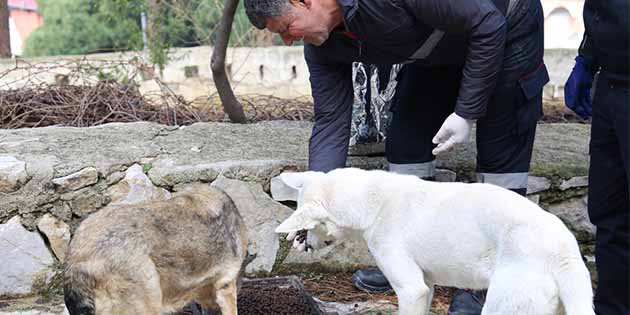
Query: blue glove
[{"x": 577, "y": 89}]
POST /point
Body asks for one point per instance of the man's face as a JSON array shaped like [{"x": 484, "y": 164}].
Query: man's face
[{"x": 302, "y": 21}]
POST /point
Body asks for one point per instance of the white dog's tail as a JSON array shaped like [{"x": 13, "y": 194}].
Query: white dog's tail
[{"x": 574, "y": 283}]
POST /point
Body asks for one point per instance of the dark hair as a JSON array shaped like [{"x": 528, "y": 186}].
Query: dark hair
[{"x": 259, "y": 10}]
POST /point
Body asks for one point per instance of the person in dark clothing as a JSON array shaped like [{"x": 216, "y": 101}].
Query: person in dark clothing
[
  {"x": 465, "y": 62},
  {"x": 605, "y": 52}
]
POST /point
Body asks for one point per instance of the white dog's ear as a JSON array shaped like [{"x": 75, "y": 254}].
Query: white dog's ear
[
  {"x": 286, "y": 186},
  {"x": 304, "y": 218}
]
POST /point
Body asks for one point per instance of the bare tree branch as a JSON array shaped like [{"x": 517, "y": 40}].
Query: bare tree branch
[{"x": 231, "y": 105}]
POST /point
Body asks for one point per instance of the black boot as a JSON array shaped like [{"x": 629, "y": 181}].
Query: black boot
[
  {"x": 466, "y": 302},
  {"x": 370, "y": 280}
]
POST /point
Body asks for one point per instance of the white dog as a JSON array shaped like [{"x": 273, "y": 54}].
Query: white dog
[{"x": 424, "y": 233}]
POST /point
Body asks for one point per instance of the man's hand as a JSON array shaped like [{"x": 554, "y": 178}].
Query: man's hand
[
  {"x": 577, "y": 89},
  {"x": 299, "y": 241},
  {"x": 454, "y": 130}
]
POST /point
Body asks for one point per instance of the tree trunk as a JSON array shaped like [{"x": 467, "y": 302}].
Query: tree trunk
[
  {"x": 231, "y": 106},
  {"x": 153, "y": 10},
  {"x": 5, "y": 35}
]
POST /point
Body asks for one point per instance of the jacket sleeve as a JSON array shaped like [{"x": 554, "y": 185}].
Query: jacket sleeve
[
  {"x": 586, "y": 47},
  {"x": 586, "y": 51},
  {"x": 331, "y": 87},
  {"x": 485, "y": 27}
]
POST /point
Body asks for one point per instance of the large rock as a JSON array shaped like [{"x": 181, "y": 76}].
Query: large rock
[
  {"x": 24, "y": 258},
  {"x": 75, "y": 181},
  {"x": 33, "y": 306},
  {"x": 340, "y": 256},
  {"x": 381, "y": 307},
  {"x": 575, "y": 182},
  {"x": 166, "y": 172},
  {"x": 34, "y": 312},
  {"x": 203, "y": 151},
  {"x": 58, "y": 234},
  {"x": 12, "y": 173},
  {"x": 262, "y": 215},
  {"x": 574, "y": 214},
  {"x": 54, "y": 152},
  {"x": 537, "y": 184},
  {"x": 442, "y": 175},
  {"x": 86, "y": 201},
  {"x": 135, "y": 187},
  {"x": 560, "y": 151}
]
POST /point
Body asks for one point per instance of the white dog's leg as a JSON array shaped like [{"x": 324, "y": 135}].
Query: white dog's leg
[
  {"x": 431, "y": 292},
  {"x": 407, "y": 280},
  {"x": 535, "y": 294}
]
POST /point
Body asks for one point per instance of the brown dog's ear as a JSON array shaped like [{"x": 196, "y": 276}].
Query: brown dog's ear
[
  {"x": 287, "y": 186},
  {"x": 304, "y": 218}
]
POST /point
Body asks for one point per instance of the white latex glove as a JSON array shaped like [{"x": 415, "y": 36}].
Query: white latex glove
[
  {"x": 454, "y": 130},
  {"x": 299, "y": 239}
]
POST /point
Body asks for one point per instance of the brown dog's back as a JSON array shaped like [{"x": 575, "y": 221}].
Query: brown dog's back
[{"x": 155, "y": 257}]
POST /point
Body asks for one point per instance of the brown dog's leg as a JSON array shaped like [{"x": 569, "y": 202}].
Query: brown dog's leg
[
  {"x": 207, "y": 298},
  {"x": 131, "y": 294},
  {"x": 221, "y": 301},
  {"x": 227, "y": 297},
  {"x": 136, "y": 300}
]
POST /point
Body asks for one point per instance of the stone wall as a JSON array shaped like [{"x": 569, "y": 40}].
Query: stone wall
[
  {"x": 51, "y": 178},
  {"x": 277, "y": 71}
]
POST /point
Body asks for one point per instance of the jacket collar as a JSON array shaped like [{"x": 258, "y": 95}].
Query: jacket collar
[{"x": 349, "y": 8}]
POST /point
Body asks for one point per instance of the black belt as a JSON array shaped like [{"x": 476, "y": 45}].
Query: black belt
[
  {"x": 616, "y": 80},
  {"x": 625, "y": 85}
]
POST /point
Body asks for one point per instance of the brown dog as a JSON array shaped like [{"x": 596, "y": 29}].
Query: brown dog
[{"x": 154, "y": 258}]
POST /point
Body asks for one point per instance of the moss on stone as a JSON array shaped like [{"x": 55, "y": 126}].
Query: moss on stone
[
  {"x": 557, "y": 172},
  {"x": 554, "y": 195},
  {"x": 46, "y": 286},
  {"x": 283, "y": 252},
  {"x": 146, "y": 168}
]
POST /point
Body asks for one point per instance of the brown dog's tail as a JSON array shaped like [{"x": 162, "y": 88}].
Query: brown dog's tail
[{"x": 77, "y": 292}]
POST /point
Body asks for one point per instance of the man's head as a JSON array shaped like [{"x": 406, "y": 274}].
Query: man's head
[{"x": 310, "y": 20}]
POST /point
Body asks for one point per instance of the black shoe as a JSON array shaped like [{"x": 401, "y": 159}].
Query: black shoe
[
  {"x": 467, "y": 302},
  {"x": 370, "y": 280}
]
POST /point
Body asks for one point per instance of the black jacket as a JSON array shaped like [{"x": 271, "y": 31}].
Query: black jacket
[
  {"x": 606, "y": 42},
  {"x": 476, "y": 36}
]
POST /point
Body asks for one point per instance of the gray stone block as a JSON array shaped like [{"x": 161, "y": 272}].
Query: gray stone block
[
  {"x": 12, "y": 173},
  {"x": 262, "y": 215},
  {"x": 24, "y": 258}
]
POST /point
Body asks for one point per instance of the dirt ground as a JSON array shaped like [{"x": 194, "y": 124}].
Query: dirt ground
[
  {"x": 557, "y": 112},
  {"x": 337, "y": 287}
]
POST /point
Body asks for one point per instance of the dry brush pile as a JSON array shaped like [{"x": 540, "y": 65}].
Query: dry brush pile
[{"x": 86, "y": 93}]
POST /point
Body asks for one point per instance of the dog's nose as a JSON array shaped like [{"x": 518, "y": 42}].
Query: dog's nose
[{"x": 328, "y": 243}]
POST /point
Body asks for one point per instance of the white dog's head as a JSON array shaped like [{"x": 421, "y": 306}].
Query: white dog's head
[{"x": 309, "y": 189}]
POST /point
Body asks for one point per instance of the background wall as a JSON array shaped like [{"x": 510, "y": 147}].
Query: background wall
[{"x": 277, "y": 71}]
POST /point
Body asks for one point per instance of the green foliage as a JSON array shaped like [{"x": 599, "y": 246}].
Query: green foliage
[
  {"x": 80, "y": 27},
  {"x": 88, "y": 26}
]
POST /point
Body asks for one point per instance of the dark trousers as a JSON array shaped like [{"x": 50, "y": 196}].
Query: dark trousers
[
  {"x": 608, "y": 196},
  {"x": 505, "y": 136}
]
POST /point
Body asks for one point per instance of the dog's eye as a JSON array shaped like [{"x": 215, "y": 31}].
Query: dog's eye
[{"x": 225, "y": 286}]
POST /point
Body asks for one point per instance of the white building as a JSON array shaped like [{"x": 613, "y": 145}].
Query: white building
[{"x": 564, "y": 25}]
